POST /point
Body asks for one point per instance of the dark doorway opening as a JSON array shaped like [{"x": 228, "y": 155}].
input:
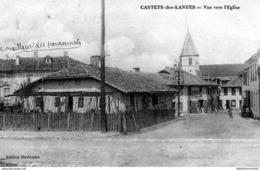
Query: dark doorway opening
[
  {"x": 70, "y": 103},
  {"x": 227, "y": 104}
]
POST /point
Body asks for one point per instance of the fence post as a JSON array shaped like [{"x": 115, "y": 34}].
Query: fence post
[
  {"x": 4, "y": 121},
  {"x": 49, "y": 120},
  {"x": 68, "y": 120},
  {"x": 81, "y": 121},
  {"x": 35, "y": 119},
  {"x": 124, "y": 124},
  {"x": 134, "y": 119},
  {"x": 91, "y": 121}
]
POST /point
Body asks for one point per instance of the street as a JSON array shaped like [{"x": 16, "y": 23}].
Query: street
[{"x": 193, "y": 140}]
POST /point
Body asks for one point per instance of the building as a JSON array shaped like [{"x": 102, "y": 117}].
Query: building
[
  {"x": 231, "y": 94},
  {"x": 226, "y": 75},
  {"x": 250, "y": 84},
  {"x": 194, "y": 90},
  {"x": 16, "y": 73},
  {"x": 189, "y": 58},
  {"x": 220, "y": 74},
  {"x": 77, "y": 89}
]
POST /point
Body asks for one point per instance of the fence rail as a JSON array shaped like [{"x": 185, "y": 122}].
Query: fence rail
[{"x": 90, "y": 121}]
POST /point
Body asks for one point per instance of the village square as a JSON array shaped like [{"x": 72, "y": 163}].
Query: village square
[{"x": 144, "y": 110}]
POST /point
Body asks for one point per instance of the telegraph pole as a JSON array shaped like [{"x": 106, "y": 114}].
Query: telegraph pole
[
  {"x": 179, "y": 113},
  {"x": 103, "y": 119}
]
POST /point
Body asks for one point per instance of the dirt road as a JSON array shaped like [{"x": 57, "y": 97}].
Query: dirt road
[{"x": 196, "y": 140}]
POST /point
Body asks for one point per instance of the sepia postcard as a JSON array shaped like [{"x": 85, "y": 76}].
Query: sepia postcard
[{"x": 129, "y": 83}]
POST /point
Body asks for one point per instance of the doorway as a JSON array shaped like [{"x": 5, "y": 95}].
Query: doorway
[
  {"x": 70, "y": 103},
  {"x": 227, "y": 104}
]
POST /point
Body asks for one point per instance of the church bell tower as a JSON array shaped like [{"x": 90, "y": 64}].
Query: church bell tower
[{"x": 189, "y": 57}]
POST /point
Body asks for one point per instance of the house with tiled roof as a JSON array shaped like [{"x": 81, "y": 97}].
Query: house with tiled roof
[
  {"x": 250, "y": 85},
  {"x": 78, "y": 89},
  {"x": 15, "y": 73},
  {"x": 219, "y": 73},
  {"x": 231, "y": 92},
  {"x": 194, "y": 90}
]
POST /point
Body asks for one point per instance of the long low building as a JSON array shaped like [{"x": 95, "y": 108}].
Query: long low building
[{"x": 77, "y": 89}]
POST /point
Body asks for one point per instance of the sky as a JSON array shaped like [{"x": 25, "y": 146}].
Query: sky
[{"x": 150, "y": 39}]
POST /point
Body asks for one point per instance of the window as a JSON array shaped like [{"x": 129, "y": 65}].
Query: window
[
  {"x": 39, "y": 102},
  {"x": 80, "y": 102},
  {"x": 29, "y": 77},
  {"x": 48, "y": 60},
  {"x": 57, "y": 101},
  {"x": 145, "y": 102},
  {"x": 132, "y": 102},
  {"x": 155, "y": 100},
  {"x": 233, "y": 103},
  {"x": 233, "y": 91},
  {"x": 246, "y": 79},
  {"x": 6, "y": 91},
  {"x": 190, "y": 61},
  {"x": 225, "y": 91},
  {"x": 200, "y": 89},
  {"x": 240, "y": 91}
]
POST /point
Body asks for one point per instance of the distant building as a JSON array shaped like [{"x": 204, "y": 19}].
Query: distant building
[
  {"x": 226, "y": 75},
  {"x": 231, "y": 94},
  {"x": 16, "y": 73},
  {"x": 250, "y": 84},
  {"x": 219, "y": 74},
  {"x": 194, "y": 89}
]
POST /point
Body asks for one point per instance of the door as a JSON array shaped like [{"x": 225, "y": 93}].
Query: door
[
  {"x": 227, "y": 104},
  {"x": 70, "y": 103}
]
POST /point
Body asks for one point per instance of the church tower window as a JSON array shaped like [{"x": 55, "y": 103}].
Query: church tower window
[{"x": 190, "y": 61}]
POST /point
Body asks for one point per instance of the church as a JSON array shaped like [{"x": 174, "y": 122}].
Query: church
[{"x": 224, "y": 75}]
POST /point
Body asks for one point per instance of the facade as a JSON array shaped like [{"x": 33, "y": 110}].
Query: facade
[
  {"x": 16, "y": 73},
  {"x": 220, "y": 74},
  {"x": 77, "y": 89},
  {"x": 231, "y": 94},
  {"x": 250, "y": 84},
  {"x": 194, "y": 90}
]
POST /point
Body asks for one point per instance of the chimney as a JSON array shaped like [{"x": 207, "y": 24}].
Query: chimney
[
  {"x": 65, "y": 54},
  {"x": 17, "y": 60},
  {"x": 95, "y": 61},
  {"x": 137, "y": 69},
  {"x": 35, "y": 54}
]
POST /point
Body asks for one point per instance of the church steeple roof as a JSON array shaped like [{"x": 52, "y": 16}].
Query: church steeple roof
[{"x": 189, "y": 48}]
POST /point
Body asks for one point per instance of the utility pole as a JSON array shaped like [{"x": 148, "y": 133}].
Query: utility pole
[
  {"x": 103, "y": 119},
  {"x": 177, "y": 68},
  {"x": 179, "y": 113}
]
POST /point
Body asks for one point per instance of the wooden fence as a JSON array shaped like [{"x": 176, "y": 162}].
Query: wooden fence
[
  {"x": 36, "y": 121},
  {"x": 136, "y": 120},
  {"x": 90, "y": 121}
]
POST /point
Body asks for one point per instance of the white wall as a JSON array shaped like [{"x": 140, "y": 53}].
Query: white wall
[{"x": 237, "y": 97}]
